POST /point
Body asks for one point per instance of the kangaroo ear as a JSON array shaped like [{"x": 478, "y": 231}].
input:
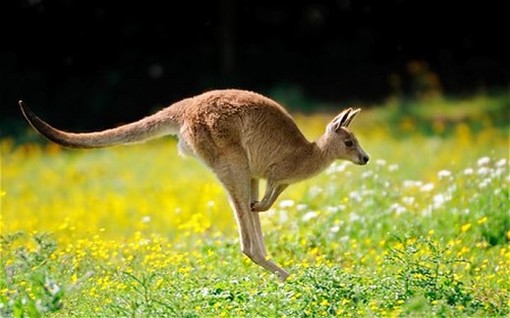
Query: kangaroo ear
[
  {"x": 339, "y": 120},
  {"x": 350, "y": 117}
]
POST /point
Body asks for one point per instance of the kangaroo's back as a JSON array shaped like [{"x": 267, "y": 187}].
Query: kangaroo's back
[
  {"x": 220, "y": 119},
  {"x": 241, "y": 116}
]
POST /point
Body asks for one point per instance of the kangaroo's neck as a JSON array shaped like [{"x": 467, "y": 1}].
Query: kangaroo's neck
[
  {"x": 311, "y": 159},
  {"x": 323, "y": 145}
]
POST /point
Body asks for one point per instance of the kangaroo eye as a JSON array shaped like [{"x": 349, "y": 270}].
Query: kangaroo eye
[{"x": 348, "y": 143}]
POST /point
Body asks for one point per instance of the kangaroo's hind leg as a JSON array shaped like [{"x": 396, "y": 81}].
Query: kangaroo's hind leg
[
  {"x": 255, "y": 220},
  {"x": 233, "y": 172},
  {"x": 254, "y": 189}
]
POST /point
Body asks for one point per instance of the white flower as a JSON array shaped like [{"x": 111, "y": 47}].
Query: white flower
[
  {"x": 393, "y": 167},
  {"x": 284, "y": 217},
  {"x": 408, "y": 200},
  {"x": 301, "y": 207},
  {"x": 335, "y": 229},
  {"x": 146, "y": 219},
  {"x": 336, "y": 208},
  {"x": 336, "y": 167},
  {"x": 353, "y": 217},
  {"x": 332, "y": 209},
  {"x": 427, "y": 211},
  {"x": 355, "y": 196},
  {"x": 498, "y": 172},
  {"x": 468, "y": 171},
  {"x": 412, "y": 184},
  {"x": 309, "y": 215},
  {"x": 427, "y": 187},
  {"x": 380, "y": 162},
  {"x": 314, "y": 191},
  {"x": 51, "y": 286},
  {"x": 439, "y": 200},
  {"x": 444, "y": 174},
  {"x": 397, "y": 208},
  {"x": 367, "y": 174},
  {"x": 501, "y": 163},
  {"x": 485, "y": 182},
  {"x": 483, "y": 171},
  {"x": 483, "y": 161},
  {"x": 286, "y": 204}
]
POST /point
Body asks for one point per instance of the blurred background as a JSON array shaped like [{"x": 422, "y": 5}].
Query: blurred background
[{"x": 92, "y": 64}]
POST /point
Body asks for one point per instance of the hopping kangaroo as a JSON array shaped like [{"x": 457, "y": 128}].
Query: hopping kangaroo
[{"x": 242, "y": 137}]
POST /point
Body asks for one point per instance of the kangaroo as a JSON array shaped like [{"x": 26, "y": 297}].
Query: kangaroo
[{"x": 242, "y": 137}]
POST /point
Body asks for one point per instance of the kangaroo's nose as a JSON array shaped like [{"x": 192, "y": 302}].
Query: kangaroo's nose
[{"x": 365, "y": 159}]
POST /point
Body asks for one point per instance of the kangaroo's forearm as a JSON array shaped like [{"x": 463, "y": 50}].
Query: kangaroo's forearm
[{"x": 272, "y": 193}]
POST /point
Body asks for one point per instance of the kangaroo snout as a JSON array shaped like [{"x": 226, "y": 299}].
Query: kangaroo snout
[{"x": 362, "y": 159}]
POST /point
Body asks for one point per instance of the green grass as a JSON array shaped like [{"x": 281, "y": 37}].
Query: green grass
[{"x": 423, "y": 230}]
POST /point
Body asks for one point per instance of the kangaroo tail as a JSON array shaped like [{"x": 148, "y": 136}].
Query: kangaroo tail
[{"x": 164, "y": 122}]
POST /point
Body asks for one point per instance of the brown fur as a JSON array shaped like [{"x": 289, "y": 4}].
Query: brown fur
[{"x": 242, "y": 137}]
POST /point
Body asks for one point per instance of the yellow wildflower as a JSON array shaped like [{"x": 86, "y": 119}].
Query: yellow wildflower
[
  {"x": 465, "y": 227},
  {"x": 482, "y": 220}
]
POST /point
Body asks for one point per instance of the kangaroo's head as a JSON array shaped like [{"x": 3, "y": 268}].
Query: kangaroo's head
[{"x": 342, "y": 143}]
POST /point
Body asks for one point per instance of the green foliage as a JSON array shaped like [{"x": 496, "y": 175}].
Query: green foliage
[{"x": 28, "y": 279}]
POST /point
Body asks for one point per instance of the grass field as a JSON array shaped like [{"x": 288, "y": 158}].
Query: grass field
[{"x": 422, "y": 230}]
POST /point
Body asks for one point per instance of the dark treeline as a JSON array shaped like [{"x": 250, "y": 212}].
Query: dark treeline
[{"x": 93, "y": 58}]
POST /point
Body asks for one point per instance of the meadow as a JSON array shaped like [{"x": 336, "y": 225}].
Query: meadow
[{"x": 137, "y": 231}]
